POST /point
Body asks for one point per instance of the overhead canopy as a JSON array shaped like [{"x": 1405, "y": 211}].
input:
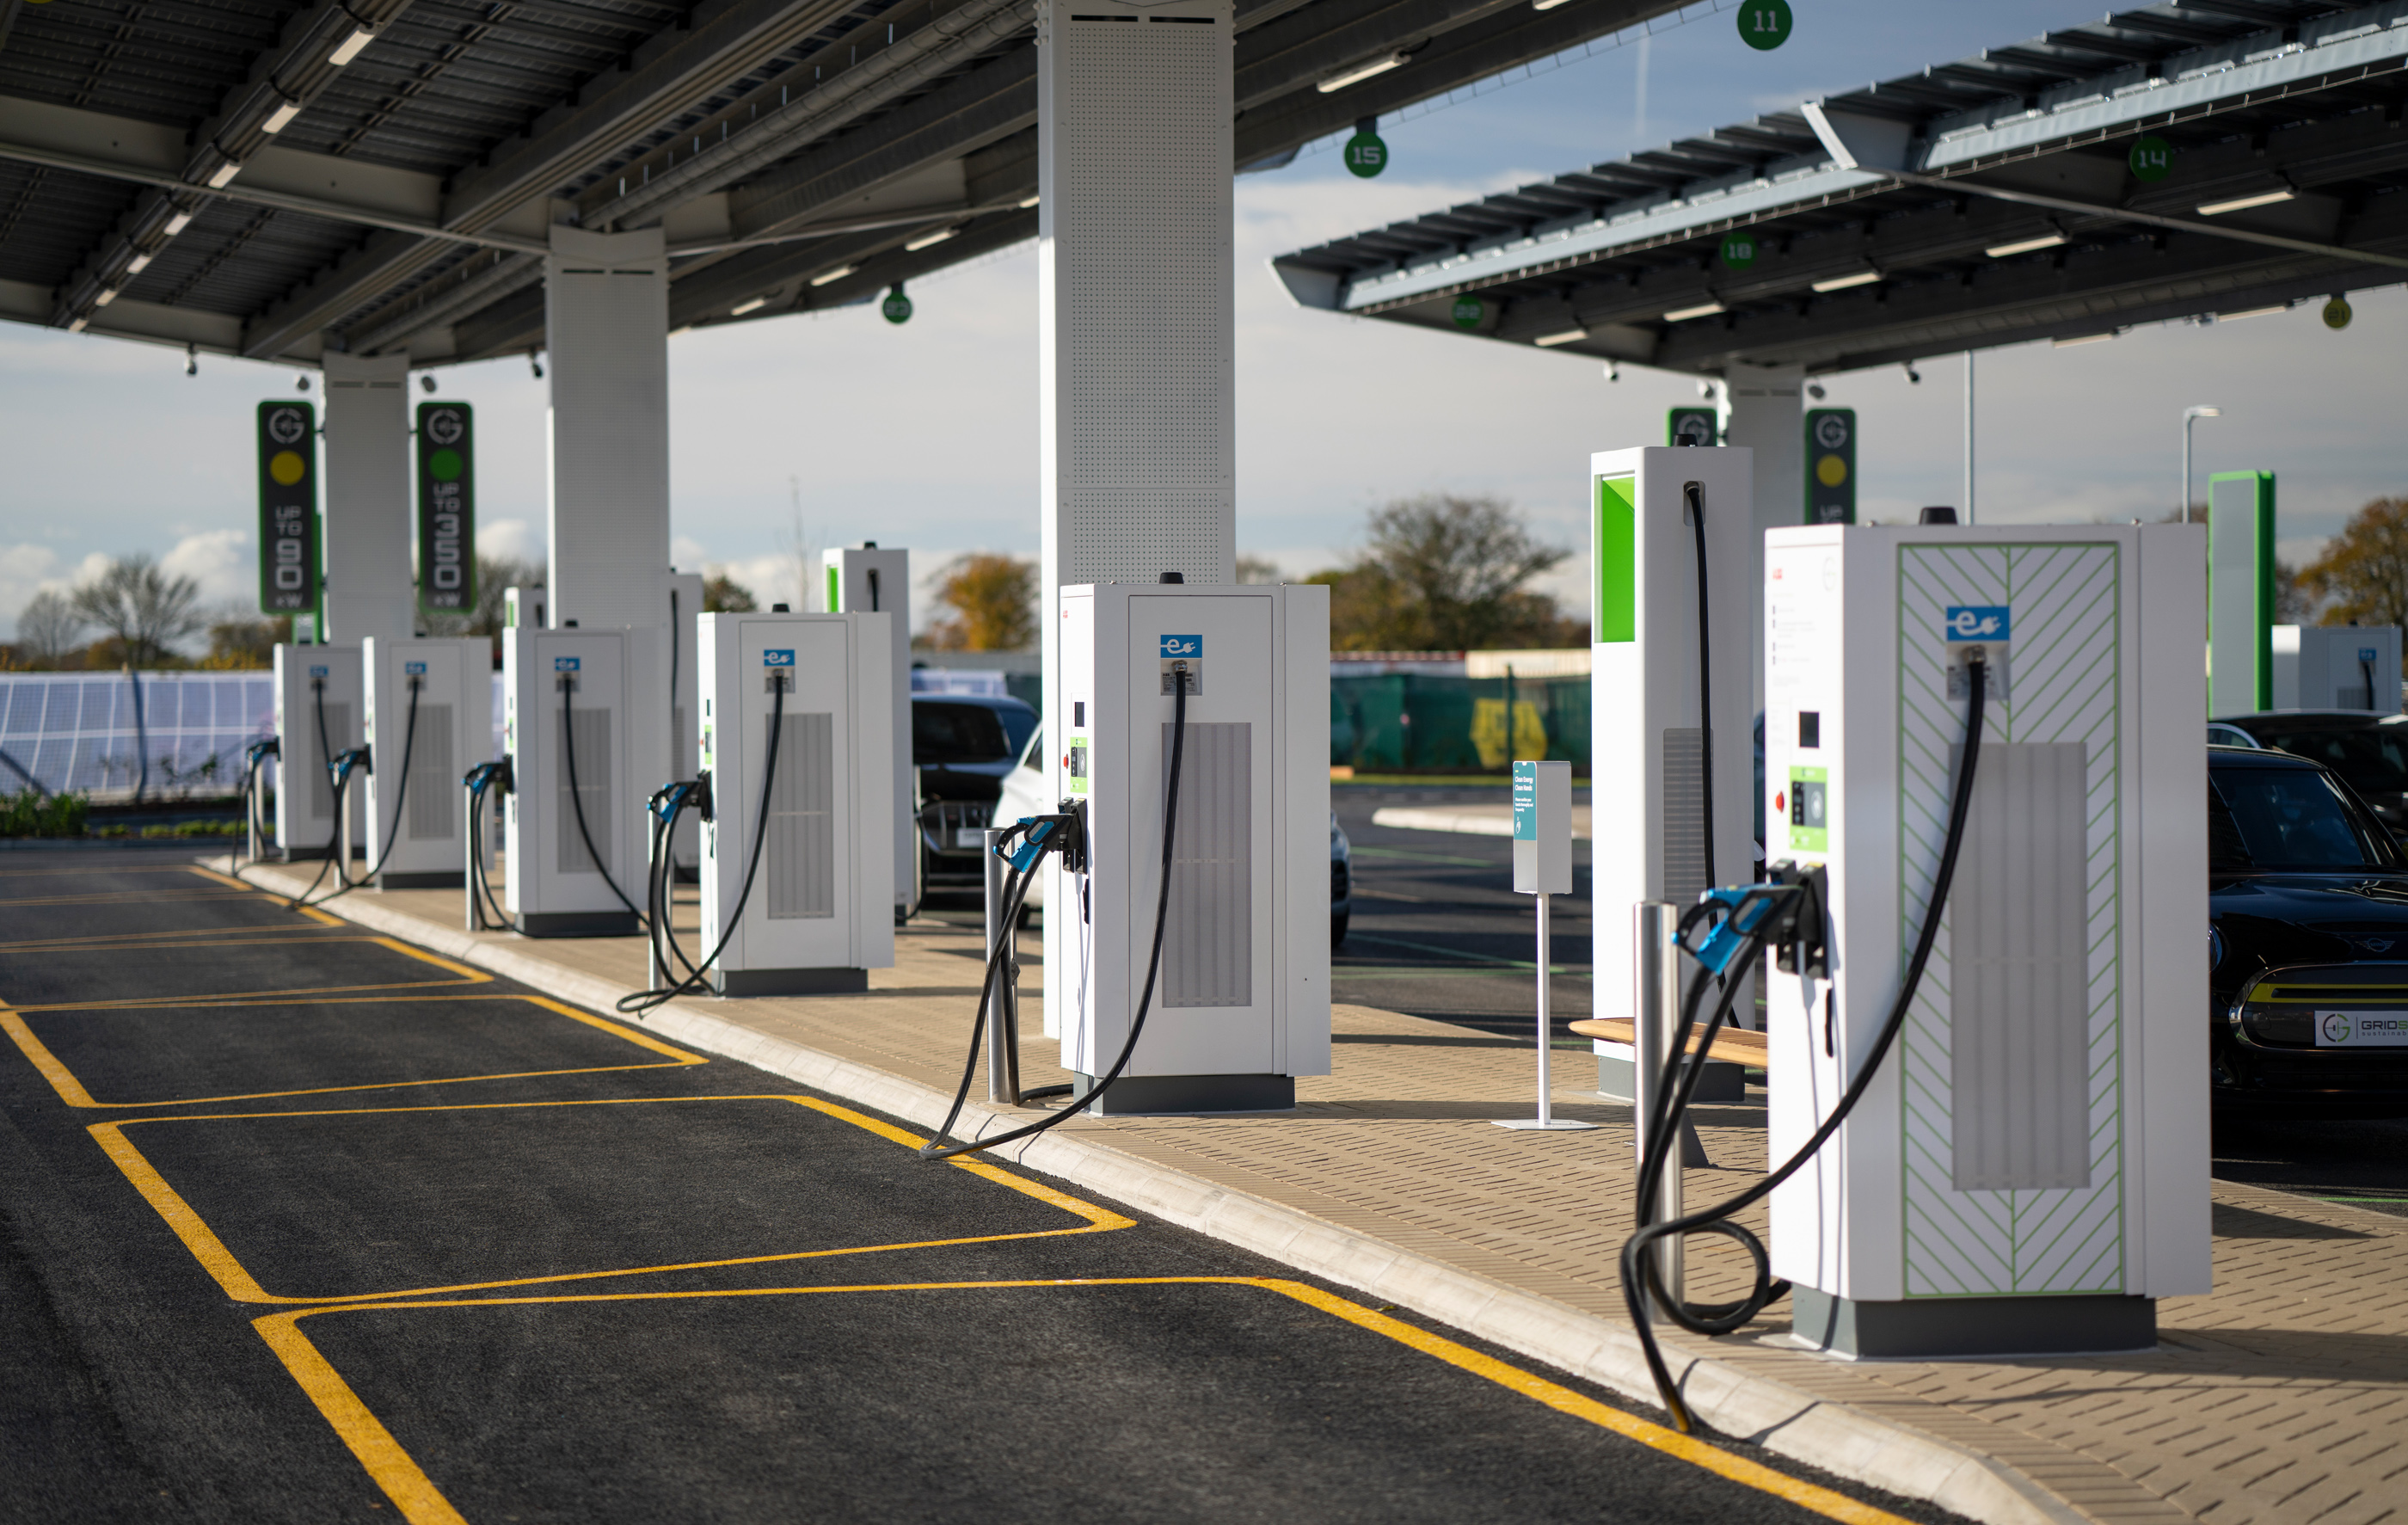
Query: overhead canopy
[
  {"x": 1991, "y": 201},
  {"x": 267, "y": 177}
]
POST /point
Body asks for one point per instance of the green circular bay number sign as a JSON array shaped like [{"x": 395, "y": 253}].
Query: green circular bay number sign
[
  {"x": 2152, "y": 159},
  {"x": 1739, "y": 251},
  {"x": 898, "y": 306},
  {"x": 1469, "y": 310},
  {"x": 1366, "y": 154},
  {"x": 1765, "y": 25}
]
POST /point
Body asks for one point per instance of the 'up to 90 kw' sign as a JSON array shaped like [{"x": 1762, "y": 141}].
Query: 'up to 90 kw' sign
[
  {"x": 447, "y": 508},
  {"x": 288, "y": 509}
]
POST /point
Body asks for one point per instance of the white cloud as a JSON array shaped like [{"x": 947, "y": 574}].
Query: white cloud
[
  {"x": 513, "y": 537},
  {"x": 771, "y": 578},
  {"x": 686, "y": 552},
  {"x": 25, "y": 570},
  {"x": 219, "y": 560}
]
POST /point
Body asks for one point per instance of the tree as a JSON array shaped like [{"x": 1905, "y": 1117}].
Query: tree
[
  {"x": 723, "y": 595},
  {"x": 1445, "y": 573},
  {"x": 2294, "y": 604},
  {"x": 47, "y": 629},
  {"x": 994, "y": 600},
  {"x": 239, "y": 638},
  {"x": 144, "y": 607},
  {"x": 2363, "y": 572},
  {"x": 1256, "y": 569}
]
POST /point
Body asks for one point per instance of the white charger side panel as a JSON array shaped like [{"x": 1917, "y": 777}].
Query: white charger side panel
[
  {"x": 1645, "y": 746},
  {"x": 552, "y": 680},
  {"x": 877, "y": 580},
  {"x": 2337, "y": 667},
  {"x": 2038, "y": 1131},
  {"x": 415, "y": 830},
  {"x": 1241, "y": 1000},
  {"x": 305, "y": 793},
  {"x": 821, "y": 909},
  {"x": 686, "y": 687}
]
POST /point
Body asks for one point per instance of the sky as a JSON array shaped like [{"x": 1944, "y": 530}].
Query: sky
[{"x": 832, "y": 429}]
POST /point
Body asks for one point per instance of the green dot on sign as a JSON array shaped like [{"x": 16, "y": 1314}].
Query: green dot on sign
[
  {"x": 1366, "y": 154},
  {"x": 2152, "y": 159},
  {"x": 445, "y": 466},
  {"x": 1469, "y": 310},
  {"x": 1764, "y": 25},
  {"x": 1739, "y": 250}
]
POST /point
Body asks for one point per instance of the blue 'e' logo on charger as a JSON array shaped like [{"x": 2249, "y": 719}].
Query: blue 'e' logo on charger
[
  {"x": 1977, "y": 622},
  {"x": 1182, "y": 647},
  {"x": 564, "y": 664},
  {"x": 320, "y": 673},
  {"x": 413, "y": 669},
  {"x": 779, "y": 659}
]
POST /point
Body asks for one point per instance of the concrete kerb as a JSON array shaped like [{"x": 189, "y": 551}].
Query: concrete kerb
[{"x": 1764, "y": 1410}]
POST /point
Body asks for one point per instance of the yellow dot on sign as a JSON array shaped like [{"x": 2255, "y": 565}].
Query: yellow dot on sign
[
  {"x": 286, "y": 467},
  {"x": 1831, "y": 472}
]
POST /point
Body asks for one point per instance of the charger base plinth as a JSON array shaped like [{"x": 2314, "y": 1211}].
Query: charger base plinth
[
  {"x": 1184, "y": 1095},
  {"x": 574, "y": 923},
  {"x": 1955, "y": 1327},
  {"x": 430, "y": 879},
  {"x": 788, "y": 981}
]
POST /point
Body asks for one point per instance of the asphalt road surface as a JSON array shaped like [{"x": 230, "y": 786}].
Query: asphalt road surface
[{"x": 297, "y": 1223}]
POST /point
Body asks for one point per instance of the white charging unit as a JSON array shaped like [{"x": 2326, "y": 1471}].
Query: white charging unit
[
  {"x": 552, "y": 885},
  {"x": 2337, "y": 667},
  {"x": 873, "y": 579},
  {"x": 416, "y": 831},
  {"x": 685, "y": 688},
  {"x": 305, "y": 790},
  {"x": 820, "y": 912},
  {"x": 2028, "y": 1169},
  {"x": 1241, "y": 1003},
  {"x": 1646, "y": 743}
]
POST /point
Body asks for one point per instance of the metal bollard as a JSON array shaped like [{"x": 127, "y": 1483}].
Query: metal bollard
[
  {"x": 1657, "y": 1004},
  {"x": 1003, "y": 1015}
]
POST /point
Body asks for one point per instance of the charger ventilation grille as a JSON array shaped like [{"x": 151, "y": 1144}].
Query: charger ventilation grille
[
  {"x": 801, "y": 846},
  {"x": 322, "y": 787},
  {"x": 589, "y": 731},
  {"x": 1208, "y": 950},
  {"x": 1683, "y": 823},
  {"x": 434, "y": 780}
]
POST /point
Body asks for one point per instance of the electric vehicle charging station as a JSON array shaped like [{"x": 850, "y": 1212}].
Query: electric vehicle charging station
[
  {"x": 306, "y": 677},
  {"x": 414, "y": 821},
  {"x": 874, "y": 579},
  {"x": 1242, "y": 1001},
  {"x": 2337, "y": 667},
  {"x": 2027, "y": 1171},
  {"x": 1646, "y": 751},
  {"x": 572, "y": 688},
  {"x": 816, "y": 918}
]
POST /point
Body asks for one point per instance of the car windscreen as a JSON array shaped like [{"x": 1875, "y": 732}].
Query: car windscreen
[
  {"x": 2375, "y": 761},
  {"x": 958, "y": 733},
  {"x": 2275, "y": 820},
  {"x": 1018, "y": 724}
]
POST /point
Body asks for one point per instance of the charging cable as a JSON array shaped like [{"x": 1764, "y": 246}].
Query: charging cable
[
  {"x": 668, "y": 806},
  {"x": 485, "y": 778},
  {"x": 577, "y": 796},
  {"x": 254, "y": 758},
  {"x": 400, "y": 800},
  {"x": 1787, "y": 912},
  {"x": 1697, "y": 496},
  {"x": 1024, "y": 866},
  {"x": 339, "y": 765},
  {"x": 643, "y": 1002}
]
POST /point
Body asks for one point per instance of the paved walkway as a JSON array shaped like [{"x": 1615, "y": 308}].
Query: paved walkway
[{"x": 2281, "y": 1398}]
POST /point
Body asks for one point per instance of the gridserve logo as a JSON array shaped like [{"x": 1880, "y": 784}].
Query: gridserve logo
[{"x": 1977, "y": 622}]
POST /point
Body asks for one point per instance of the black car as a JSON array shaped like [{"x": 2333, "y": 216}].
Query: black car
[
  {"x": 2367, "y": 749},
  {"x": 962, "y": 746},
  {"x": 2308, "y": 907}
]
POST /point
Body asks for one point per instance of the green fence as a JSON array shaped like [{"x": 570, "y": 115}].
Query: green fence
[{"x": 1414, "y": 723}]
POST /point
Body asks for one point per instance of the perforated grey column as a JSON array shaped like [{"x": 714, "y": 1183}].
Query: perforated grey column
[
  {"x": 2019, "y": 1013},
  {"x": 434, "y": 783},
  {"x": 1684, "y": 825}
]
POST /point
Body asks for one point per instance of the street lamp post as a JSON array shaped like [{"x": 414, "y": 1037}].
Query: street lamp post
[{"x": 2190, "y": 416}]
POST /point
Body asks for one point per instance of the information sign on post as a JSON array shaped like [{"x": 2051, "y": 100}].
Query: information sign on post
[
  {"x": 288, "y": 509},
  {"x": 1830, "y": 465},
  {"x": 1691, "y": 426},
  {"x": 447, "y": 508},
  {"x": 1543, "y": 866}
]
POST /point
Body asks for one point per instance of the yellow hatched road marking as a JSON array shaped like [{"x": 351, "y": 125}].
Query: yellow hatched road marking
[
  {"x": 238, "y": 1284},
  {"x": 73, "y": 1093},
  {"x": 467, "y": 976},
  {"x": 422, "y": 1504}
]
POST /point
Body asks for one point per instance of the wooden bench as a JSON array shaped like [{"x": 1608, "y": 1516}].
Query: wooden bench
[{"x": 1733, "y": 1046}]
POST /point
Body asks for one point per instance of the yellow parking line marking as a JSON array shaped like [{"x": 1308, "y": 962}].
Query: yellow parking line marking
[
  {"x": 238, "y": 1284},
  {"x": 422, "y": 1502},
  {"x": 135, "y": 897},
  {"x": 221, "y": 878},
  {"x": 87, "y": 871},
  {"x": 190, "y": 937},
  {"x": 73, "y": 1093},
  {"x": 467, "y": 976}
]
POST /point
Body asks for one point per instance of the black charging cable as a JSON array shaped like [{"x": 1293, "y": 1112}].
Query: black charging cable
[
  {"x": 485, "y": 778},
  {"x": 1677, "y": 1082},
  {"x": 644, "y": 1001},
  {"x": 400, "y": 801},
  {"x": 1001, "y": 956},
  {"x": 338, "y": 774},
  {"x": 577, "y": 796},
  {"x": 668, "y": 806},
  {"x": 1697, "y": 496}
]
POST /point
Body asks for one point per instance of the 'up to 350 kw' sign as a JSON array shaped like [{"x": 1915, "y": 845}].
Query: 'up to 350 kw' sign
[
  {"x": 288, "y": 507},
  {"x": 447, "y": 508}
]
